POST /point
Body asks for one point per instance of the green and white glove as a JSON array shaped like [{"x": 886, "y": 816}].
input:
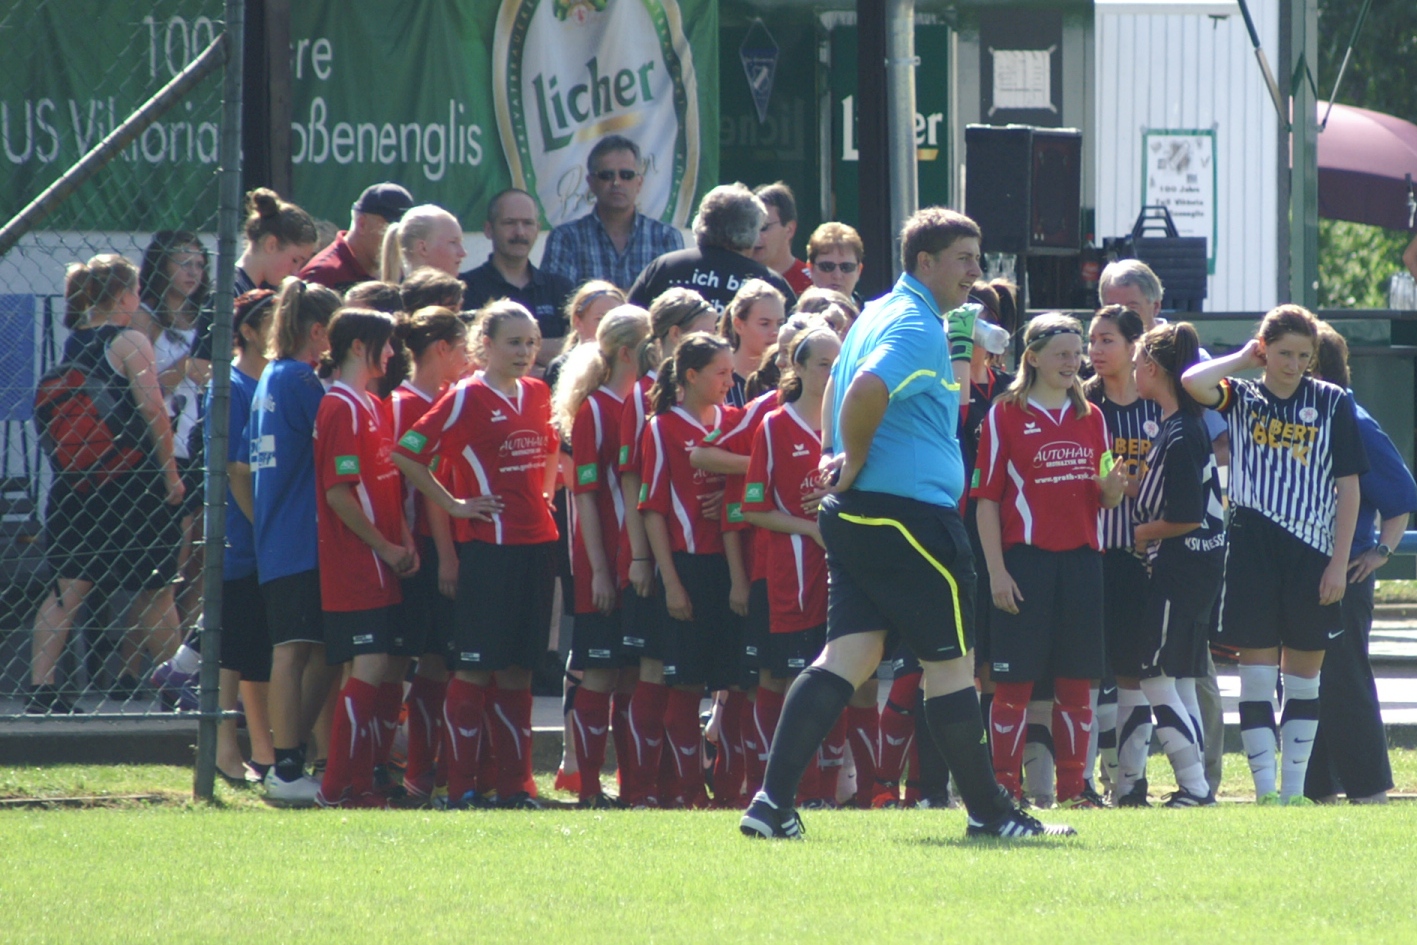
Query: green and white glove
[{"x": 960, "y": 330}]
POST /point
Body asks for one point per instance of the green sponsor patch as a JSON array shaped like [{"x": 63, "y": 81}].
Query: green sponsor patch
[
  {"x": 753, "y": 492},
  {"x": 974, "y": 482},
  {"x": 433, "y": 466},
  {"x": 346, "y": 465},
  {"x": 413, "y": 441},
  {"x": 644, "y": 492},
  {"x": 713, "y": 436},
  {"x": 624, "y": 455},
  {"x": 587, "y": 474},
  {"x": 735, "y": 512}
]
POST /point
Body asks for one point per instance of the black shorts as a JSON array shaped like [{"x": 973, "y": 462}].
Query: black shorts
[
  {"x": 708, "y": 649},
  {"x": 1174, "y": 637},
  {"x": 757, "y": 628},
  {"x": 641, "y": 626},
  {"x": 293, "y": 610},
  {"x": 1271, "y": 591},
  {"x": 902, "y": 566},
  {"x": 1124, "y": 610},
  {"x": 351, "y": 633},
  {"x": 121, "y": 535},
  {"x": 1058, "y": 628},
  {"x": 502, "y": 617},
  {"x": 787, "y": 654},
  {"x": 424, "y": 621},
  {"x": 245, "y": 631},
  {"x": 595, "y": 643},
  {"x": 983, "y": 593},
  {"x": 193, "y": 473}
]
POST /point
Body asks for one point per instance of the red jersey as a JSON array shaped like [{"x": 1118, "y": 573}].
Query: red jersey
[
  {"x": 505, "y": 443},
  {"x": 673, "y": 487},
  {"x": 781, "y": 472},
  {"x": 595, "y": 448},
  {"x": 1040, "y": 466},
  {"x": 353, "y": 442},
  {"x": 799, "y": 276},
  {"x": 633, "y": 416},
  {"x": 738, "y": 439}
]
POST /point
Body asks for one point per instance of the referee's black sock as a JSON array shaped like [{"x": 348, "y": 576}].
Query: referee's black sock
[
  {"x": 934, "y": 774},
  {"x": 958, "y": 731},
  {"x": 813, "y": 704}
]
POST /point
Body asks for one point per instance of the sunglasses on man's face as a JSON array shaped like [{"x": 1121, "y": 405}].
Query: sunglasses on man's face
[
  {"x": 624, "y": 174},
  {"x": 827, "y": 266}
]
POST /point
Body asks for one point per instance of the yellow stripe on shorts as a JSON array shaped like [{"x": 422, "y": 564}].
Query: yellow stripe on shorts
[{"x": 900, "y": 527}]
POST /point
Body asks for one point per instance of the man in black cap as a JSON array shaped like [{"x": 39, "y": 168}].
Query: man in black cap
[{"x": 354, "y": 255}]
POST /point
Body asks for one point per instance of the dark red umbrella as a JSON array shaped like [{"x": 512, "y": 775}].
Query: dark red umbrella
[{"x": 1367, "y": 165}]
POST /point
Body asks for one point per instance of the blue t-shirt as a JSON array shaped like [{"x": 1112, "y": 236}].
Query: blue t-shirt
[
  {"x": 240, "y": 558},
  {"x": 282, "y": 457},
  {"x": 900, "y": 338},
  {"x": 1386, "y": 489}
]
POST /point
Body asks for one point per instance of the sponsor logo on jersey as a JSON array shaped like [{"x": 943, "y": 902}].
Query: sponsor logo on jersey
[
  {"x": 1150, "y": 428},
  {"x": 800, "y": 449},
  {"x": 644, "y": 492},
  {"x": 1030, "y": 427},
  {"x": 413, "y": 441},
  {"x": 624, "y": 455},
  {"x": 587, "y": 474},
  {"x": 1308, "y": 414},
  {"x": 498, "y": 416},
  {"x": 346, "y": 465},
  {"x": 753, "y": 492},
  {"x": 735, "y": 513}
]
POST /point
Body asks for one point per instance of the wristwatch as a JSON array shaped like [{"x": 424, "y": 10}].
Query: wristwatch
[{"x": 1384, "y": 550}]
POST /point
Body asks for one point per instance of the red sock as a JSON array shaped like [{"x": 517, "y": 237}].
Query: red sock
[
  {"x": 729, "y": 764},
  {"x": 863, "y": 731},
  {"x": 640, "y": 766},
  {"x": 620, "y": 733},
  {"x": 463, "y": 725},
  {"x": 387, "y": 708},
  {"x": 1072, "y": 723},
  {"x": 767, "y": 707},
  {"x": 524, "y": 700},
  {"x": 897, "y": 729},
  {"x": 1007, "y": 728},
  {"x": 591, "y": 719},
  {"x": 486, "y": 758},
  {"x": 425, "y": 731},
  {"x": 682, "y": 736},
  {"x": 349, "y": 769},
  {"x": 509, "y": 717}
]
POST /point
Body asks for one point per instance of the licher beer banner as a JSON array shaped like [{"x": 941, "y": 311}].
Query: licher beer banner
[
  {"x": 454, "y": 99},
  {"x": 458, "y": 100}
]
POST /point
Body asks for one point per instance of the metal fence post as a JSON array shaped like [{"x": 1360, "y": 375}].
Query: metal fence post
[{"x": 228, "y": 222}]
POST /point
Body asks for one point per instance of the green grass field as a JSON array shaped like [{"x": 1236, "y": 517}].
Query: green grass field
[{"x": 176, "y": 871}]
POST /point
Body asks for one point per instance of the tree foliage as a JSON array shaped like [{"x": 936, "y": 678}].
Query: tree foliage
[{"x": 1356, "y": 262}]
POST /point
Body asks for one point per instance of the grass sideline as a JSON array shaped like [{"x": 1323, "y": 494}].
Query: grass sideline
[{"x": 182, "y": 872}]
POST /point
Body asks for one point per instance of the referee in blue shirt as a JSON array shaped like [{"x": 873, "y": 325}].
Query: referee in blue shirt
[{"x": 899, "y": 561}]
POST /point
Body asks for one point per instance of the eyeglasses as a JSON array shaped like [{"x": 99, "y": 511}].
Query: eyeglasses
[
  {"x": 827, "y": 266},
  {"x": 623, "y": 173}
]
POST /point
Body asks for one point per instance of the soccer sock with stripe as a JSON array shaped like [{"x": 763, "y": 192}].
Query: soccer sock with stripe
[
  {"x": 1008, "y": 728},
  {"x": 809, "y": 712},
  {"x": 524, "y": 701},
  {"x": 1072, "y": 721},
  {"x": 897, "y": 731},
  {"x": 1299, "y": 722},
  {"x": 350, "y": 765},
  {"x": 509, "y": 716},
  {"x": 955, "y": 723},
  {"x": 620, "y": 731},
  {"x": 728, "y": 764},
  {"x": 389, "y": 703},
  {"x": 425, "y": 729},
  {"x": 683, "y": 737},
  {"x": 819, "y": 780},
  {"x": 1106, "y": 729},
  {"x": 1039, "y": 752},
  {"x": 863, "y": 734},
  {"x": 1178, "y": 739},
  {"x": 1133, "y": 738},
  {"x": 639, "y": 778},
  {"x": 1257, "y": 729},
  {"x": 766, "y": 709},
  {"x": 755, "y": 750},
  {"x": 1186, "y": 689},
  {"x": 1089, "y": 768},
  {"x": 463, "y": 720},
  {"x": 590, "y": 719}
]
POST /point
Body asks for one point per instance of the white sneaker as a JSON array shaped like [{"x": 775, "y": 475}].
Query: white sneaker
[{"x": 298, "y": 793}]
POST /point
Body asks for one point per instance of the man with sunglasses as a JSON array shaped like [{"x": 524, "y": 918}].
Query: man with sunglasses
[
  {"x": 834, "y": 254},
  {"x": 614, "y": 241},
  {"x": 774, "y": 248}
]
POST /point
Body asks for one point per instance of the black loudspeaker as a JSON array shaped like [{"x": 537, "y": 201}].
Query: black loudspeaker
[
  {"x": 1056, "y": 217},
  {"x": 998, "y": 184}
]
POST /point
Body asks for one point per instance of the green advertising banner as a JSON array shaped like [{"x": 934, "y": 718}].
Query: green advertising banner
[
  {"x": 932, "y": 127},
  {"x": 459, "y": 99},
  {"x": 73, "y": 70}
]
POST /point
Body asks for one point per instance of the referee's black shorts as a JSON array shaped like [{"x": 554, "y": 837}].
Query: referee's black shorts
[{"x": 902, "y": 566}]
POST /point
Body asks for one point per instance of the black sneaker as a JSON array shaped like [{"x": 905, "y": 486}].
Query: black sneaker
[
  {"x": 1184, "y": 798},
  {"x": 1136, "y": 797},
  {"x": 46, "y": 700},
  {"x": 520, "y": 801},
  {"x": 1090, "y": 792},
  {"x": 765, "y": 820},
  {"x": 600, "y": 802},
  {"x": 1016, "y": 825}
]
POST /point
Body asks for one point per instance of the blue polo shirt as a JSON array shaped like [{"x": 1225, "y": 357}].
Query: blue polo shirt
[
  {"x": 900, "y": 338},
  {"x": 1386, "y": 489},
  {"x": 282, "y": 456},
  {"x": 239, "y": 560}
]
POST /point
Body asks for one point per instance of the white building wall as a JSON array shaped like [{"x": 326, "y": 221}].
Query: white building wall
[{"x": 1193, "y": 72}]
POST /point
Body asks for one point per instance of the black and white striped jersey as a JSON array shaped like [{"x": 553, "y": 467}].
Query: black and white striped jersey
[
  {"x": 1182, "y": 485},
  {"x": 1130, "y": 432},
  {"x": 1285, "y": 454}
]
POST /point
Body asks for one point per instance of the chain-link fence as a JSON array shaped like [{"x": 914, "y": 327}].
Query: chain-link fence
[{"x": 113, "y": 132}]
